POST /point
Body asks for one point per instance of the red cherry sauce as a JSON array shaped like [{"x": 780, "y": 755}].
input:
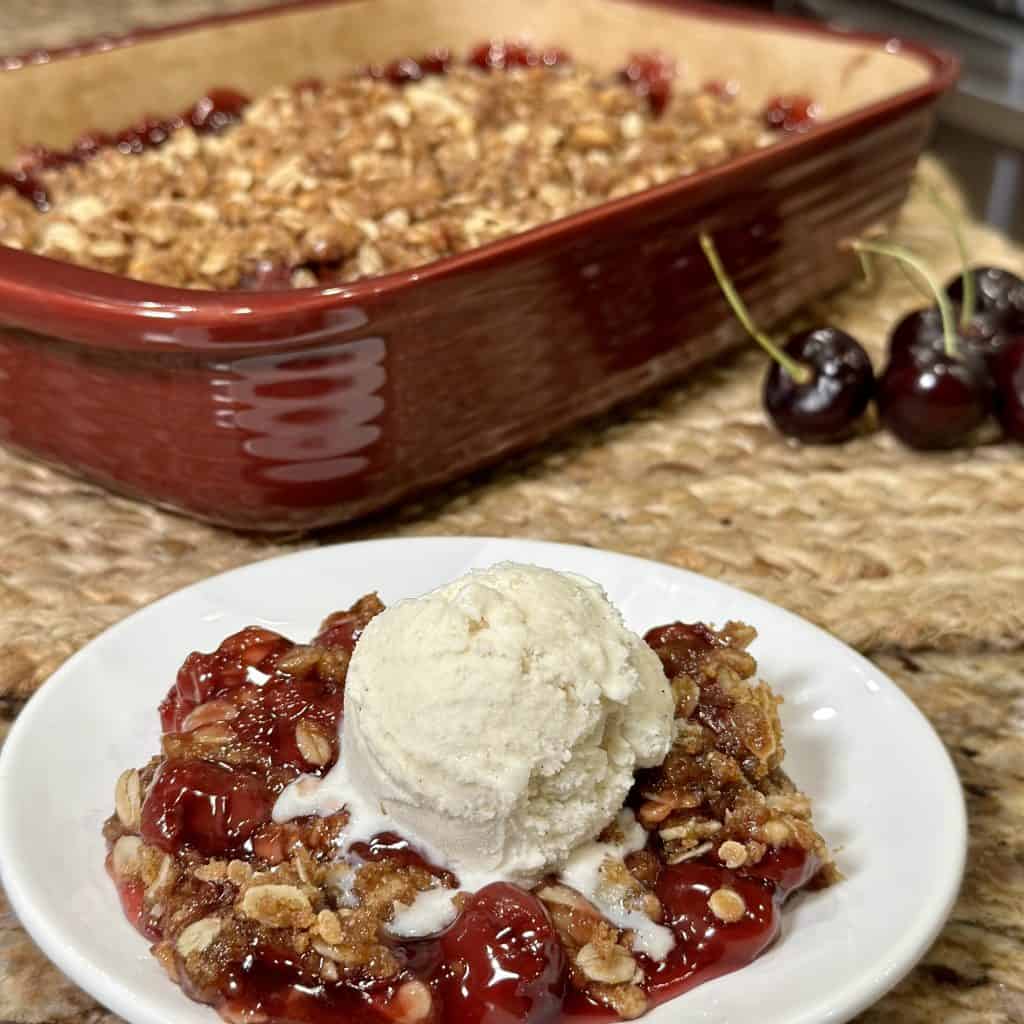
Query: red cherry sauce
[
  {"x": 413, "y": 69},
  {"x": 268, "y": 987},
  {"x": 500, "y": 55},
  {"x": 28, "y": 187},
  {"x": 205, "y": 676},
  {"x": 216, "y": 111},
  {"x": 707, "y": 947},
  {"x": 130, "y": 892},
  {"x": 503, "y": 961},
  {"x": 651, "y": 75},
  {"x": 206, "y": 806},
  {"x": 790, "y": 113},
  {"x": 214, "y": 808}
]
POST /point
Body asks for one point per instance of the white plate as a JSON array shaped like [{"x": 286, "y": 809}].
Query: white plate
[{"x": 885, "y": 792}]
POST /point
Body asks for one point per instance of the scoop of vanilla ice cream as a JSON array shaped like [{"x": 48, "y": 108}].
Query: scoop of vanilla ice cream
[{"x": 498, "y": 720}]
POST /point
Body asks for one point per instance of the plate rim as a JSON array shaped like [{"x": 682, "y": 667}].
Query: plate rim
[{"x": 862, "y": 991}]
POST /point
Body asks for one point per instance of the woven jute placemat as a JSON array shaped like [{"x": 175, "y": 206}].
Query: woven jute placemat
[{"x": 916, "y": 560}]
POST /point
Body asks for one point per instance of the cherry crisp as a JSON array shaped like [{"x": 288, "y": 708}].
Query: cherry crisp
[
  {"x": 326, "y": 182},
  {"x": 270, "y": 923}
]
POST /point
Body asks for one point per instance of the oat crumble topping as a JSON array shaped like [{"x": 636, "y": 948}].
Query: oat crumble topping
[{"x": 329, "y": 183}]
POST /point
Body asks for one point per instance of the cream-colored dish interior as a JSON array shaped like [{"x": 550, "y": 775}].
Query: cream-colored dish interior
[{"x": 54, "y": 103}]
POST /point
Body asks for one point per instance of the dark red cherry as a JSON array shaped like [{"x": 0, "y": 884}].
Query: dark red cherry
[
  {"x": 1009, "y": 383},
  {"x": 984, "y": 337},
  {"x": 996, "y": 291},
  {"x": 827, "y": 406},
  {"x": 208, "y": 807},
  {"x": 931, "y": 400},
  {"x": 791, "y": 113},
  {"x": 504, "y": 961}
]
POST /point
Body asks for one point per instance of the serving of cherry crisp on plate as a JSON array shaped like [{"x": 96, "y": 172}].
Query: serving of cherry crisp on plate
[{"x": 490, "y": 803}]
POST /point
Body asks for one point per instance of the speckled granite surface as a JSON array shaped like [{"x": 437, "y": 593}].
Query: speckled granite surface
[{"x": 917, "y": 561}]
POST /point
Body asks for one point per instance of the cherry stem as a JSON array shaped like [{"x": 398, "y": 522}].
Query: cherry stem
[
  {"x": 867, "y": 268},
  {"x": 907, "y": 258},
  {"x": 967, "y": 309},
  {"x": 801, "y": 374}
]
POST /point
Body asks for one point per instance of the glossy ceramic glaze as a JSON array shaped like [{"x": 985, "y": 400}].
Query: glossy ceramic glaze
[{"x": 298, "y": 409}]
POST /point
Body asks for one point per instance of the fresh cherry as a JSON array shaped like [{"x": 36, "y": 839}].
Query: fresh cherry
[
  {"x": 983, "y": 336},
  {"x": 820, "y": 382},
  {"x": 204, "y": 805},
  {"x": 827, "y": 406},
  {"x": 934, "y": 400},
  {"x": 993, "y": 294},
  {"x": 997, "y": 292},
  {"x": 505, "y": 962},
  {"x": 651, "y": 75},
  {"x": 791, "y": 113},
  {"x": 1009, "y": 383},
  {"x": 931, "y": 397}
]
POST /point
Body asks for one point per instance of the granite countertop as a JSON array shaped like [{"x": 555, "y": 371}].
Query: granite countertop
[{"x": 914, "y": 560}]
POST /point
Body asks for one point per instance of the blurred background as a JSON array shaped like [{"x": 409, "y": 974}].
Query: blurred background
[{"x": 980, "y": 135}]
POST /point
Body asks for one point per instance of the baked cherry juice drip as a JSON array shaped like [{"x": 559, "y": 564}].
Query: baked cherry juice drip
[
  {"x": 501, "y": 961},
  {"x": 217, "y": 110}
]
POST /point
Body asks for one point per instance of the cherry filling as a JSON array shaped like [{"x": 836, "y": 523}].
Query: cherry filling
[
  {"x": 681, "y": 646},
  {"x": 502, "y": 960},
  {"x": 498, "y": 55},
  {"x": 790, "y": 113},
  {"x": 213, "y": 113},
  {"x": 707, "y": 946},
  {"x": 206, "y": 806},
  {"x": 205, "y": 676},
  {"x": 651, "y": 75},
  {"x": 413, "y": 69},
  {"x": 392, "y": 847}
]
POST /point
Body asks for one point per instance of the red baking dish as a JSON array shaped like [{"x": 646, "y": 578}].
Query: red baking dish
[{"x": 276, "y": 411}]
